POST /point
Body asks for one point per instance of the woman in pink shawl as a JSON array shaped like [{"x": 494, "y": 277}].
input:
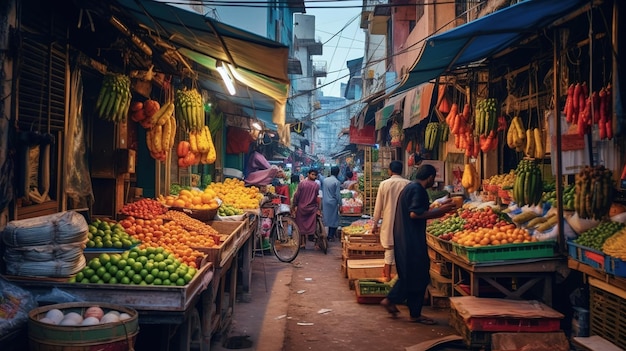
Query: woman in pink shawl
[
  {"x": 306, "y": 205},
  {"x": 260, "y": 172}
]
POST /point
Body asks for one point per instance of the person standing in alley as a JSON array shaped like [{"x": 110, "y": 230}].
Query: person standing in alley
[
  {"x": 386, "y": 199},
  {"x": 349, "y": 182},
  {"x": 305, "y": 205},
  {"x": 410, "y": 248},
  {"x": 331, "y": 202}
]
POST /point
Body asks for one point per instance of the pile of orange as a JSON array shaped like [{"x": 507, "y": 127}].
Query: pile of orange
[
  {"x": 194, "y": 199},
  {"x": 171, "y": 236},
  {"x": 500, "y": 234}
]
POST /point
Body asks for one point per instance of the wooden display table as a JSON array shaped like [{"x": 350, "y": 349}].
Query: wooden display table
[{"x": 530, "y": 272}]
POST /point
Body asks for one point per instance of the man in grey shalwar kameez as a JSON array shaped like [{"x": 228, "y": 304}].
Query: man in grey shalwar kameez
[{"x": 331, "y": 202}]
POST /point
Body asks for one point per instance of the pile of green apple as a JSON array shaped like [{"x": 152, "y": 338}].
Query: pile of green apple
[
  {"x": 103, "y": 234},
  {"x": 149, "y": 266}
]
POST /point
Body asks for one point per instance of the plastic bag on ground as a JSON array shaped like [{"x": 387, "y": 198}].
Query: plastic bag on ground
[{"x": 15, "y": 303}]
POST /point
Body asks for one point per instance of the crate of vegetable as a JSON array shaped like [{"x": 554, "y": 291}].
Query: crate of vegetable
[
  {"x": 438, "y": 243},
  {"x": 587, "y": 255}
]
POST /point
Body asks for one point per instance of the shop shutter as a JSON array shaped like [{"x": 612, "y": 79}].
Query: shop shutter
[{"x": 42, "y": 67}]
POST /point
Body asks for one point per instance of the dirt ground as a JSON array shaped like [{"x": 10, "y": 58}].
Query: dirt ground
[{"x": 308, "y": 305}]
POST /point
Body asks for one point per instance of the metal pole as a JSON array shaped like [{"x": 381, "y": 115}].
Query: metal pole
[{"x": 557, "y": 131}]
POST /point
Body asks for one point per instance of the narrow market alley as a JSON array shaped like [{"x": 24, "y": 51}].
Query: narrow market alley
[{"x": 308, "y": 305}]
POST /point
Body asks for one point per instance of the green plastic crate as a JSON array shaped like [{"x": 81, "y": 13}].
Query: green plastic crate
[
  {"x": 368, "y": 287},
  {"x": 506, "y": 252}
]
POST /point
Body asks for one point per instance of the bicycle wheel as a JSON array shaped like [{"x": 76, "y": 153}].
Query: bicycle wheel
[
  {"x": 285, "y": 239},
  {"x": 321, "y": 237}
]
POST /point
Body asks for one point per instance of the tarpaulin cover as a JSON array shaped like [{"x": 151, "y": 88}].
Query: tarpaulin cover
[{"x": 484, "y": 37}]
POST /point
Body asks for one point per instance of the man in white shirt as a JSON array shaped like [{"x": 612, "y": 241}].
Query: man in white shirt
[{"x": 385, "y": 208}]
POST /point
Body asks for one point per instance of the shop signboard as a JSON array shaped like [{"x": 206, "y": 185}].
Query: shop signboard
[{"x": 365, "y": 135}]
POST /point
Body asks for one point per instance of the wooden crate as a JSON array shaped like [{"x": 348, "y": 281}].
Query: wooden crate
[
  {"x": 607, "y": 312},
  {"x": 440, "y": 284},
  {"x": 472, "y": 339},
  {"x": 364, "y": 250},
  {"x": 437, "y": 299},
  {"x": 232, "y": 235},
  {"x": 365, "y": 269}
]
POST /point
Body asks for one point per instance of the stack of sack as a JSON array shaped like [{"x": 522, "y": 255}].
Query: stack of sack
[{"x": 47, "y": 246}]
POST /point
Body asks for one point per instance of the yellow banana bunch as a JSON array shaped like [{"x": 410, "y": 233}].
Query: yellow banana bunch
[{"x": 516, "y": 135}]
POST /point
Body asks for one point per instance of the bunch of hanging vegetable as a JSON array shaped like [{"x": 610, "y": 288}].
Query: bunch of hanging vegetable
[
  {"x": 478, "y": 135},
  {"x": 487, "y": 124},
  {"x": 584, "y": 109},
  {"x": 462, "y": 129}
]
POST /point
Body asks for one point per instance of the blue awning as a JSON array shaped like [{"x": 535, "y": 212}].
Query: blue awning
[{"x": 484, "y": 37}]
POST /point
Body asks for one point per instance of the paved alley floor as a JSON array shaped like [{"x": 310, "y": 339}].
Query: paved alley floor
[{"x": 308, "y": 305}]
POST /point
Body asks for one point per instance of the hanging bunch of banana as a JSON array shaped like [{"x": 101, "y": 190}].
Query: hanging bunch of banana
[
  {"x": 160, "y": 137},
  {"x": 190, "y": 109},
  {"x": 486, "y": 116},
  {"x": 201, "y": 143},
  {"x": 594, "y": 192},
  {"x": 516, "y": 135},
  {"x": 535, "y": 145},
  {"x": 444, "y": 132},
  {"x": 114, "y": 98},
  {"x": 431, "y": 135},
  {"x": 528, "y": 186}
]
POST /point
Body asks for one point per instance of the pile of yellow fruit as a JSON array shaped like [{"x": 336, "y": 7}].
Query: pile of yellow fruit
[
  {"x": 194, "y": 199},
  {"x": 234, "y": 192},
  {"x": 502, "y": 180}
]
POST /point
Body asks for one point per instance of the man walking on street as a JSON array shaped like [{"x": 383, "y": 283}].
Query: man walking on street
[
  {"x": 410, "y": 248},
  {"x": 305, "y": 206},
  {"x": 385, "y": 208},
  {"x": 331, "y": 201}
]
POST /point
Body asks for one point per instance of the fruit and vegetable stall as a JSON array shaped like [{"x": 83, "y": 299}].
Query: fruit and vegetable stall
[
  {"x": 481, "y": 251},
  {"x": 177, "y": 266}
]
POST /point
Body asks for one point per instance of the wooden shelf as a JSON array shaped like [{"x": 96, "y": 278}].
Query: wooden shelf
[
  {"x": 592, "y": 272},
  {"x": 372, "y": 179}
]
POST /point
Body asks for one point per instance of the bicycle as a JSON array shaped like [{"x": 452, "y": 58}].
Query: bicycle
[
  {"x": 320, "y": 236},
  {"x": 284, "y": 235}
]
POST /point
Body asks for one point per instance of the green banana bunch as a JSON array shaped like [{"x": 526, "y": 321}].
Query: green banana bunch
[
  {"x": 486, "y": 119},
  {"x": 190, "y": 109},
  {"x": 444, "y": 130},
  {"x": 114, "y": 97},
  {"x": 431, "y": 134},
  {"x": 528, "y": 186}
]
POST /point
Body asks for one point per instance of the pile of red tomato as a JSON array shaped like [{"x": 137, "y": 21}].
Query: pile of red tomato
[{"x": 144, "y": 208}]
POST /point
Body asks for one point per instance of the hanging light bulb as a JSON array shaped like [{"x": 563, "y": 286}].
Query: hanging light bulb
[{"x": 225, "y": 74}]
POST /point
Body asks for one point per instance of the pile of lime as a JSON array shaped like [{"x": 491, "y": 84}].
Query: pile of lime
[
  {"x": 103, "y": 234},
  {"x": 149, "y": 266},
  {"x": 226, "y": 210}
]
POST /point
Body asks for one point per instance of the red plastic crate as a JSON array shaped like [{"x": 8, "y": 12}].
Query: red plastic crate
[{"x": 502, "y": 324}]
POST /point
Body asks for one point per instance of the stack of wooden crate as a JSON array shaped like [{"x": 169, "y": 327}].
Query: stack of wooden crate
[{"x": 362, "y": 257}]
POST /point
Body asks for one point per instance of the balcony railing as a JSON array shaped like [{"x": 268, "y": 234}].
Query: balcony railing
[{"x": 319, "y": 69}]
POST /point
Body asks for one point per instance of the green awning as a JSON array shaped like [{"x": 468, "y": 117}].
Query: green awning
[{"x": 256, "y": 62}]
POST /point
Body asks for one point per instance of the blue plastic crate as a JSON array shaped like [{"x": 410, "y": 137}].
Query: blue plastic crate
[
  {"x": 615, "y": 266},
  {"x": 587, "y": 255}
]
